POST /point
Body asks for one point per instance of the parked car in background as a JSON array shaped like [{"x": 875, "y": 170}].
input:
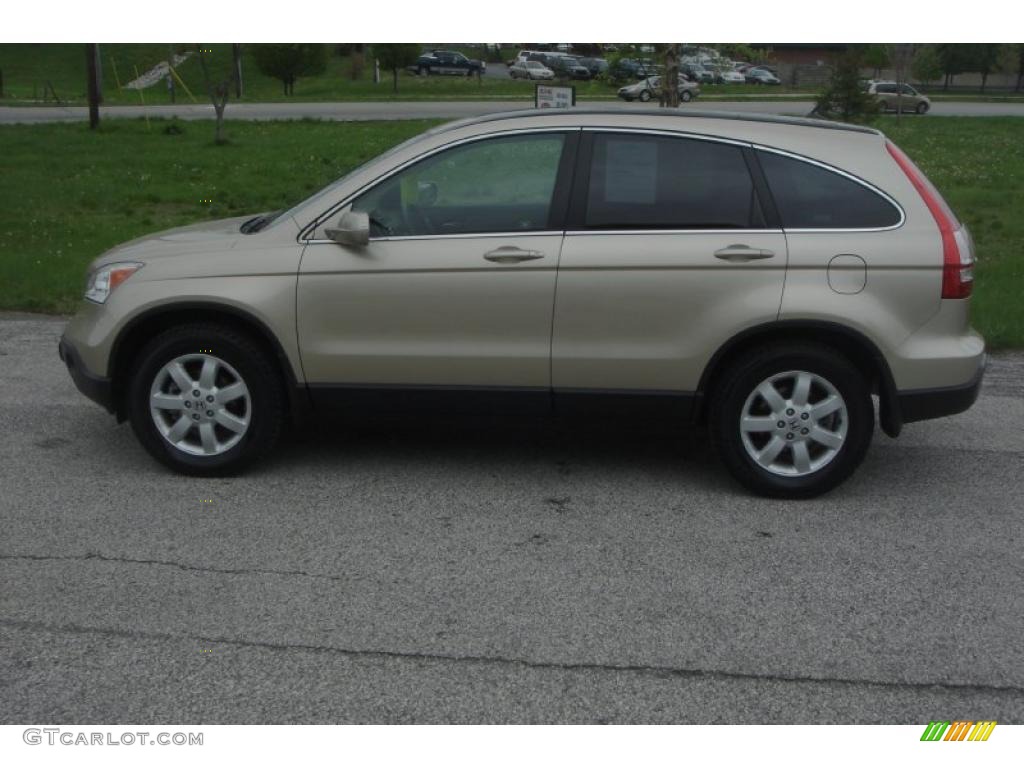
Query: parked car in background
[
  {"x": 650, "y": 88},
  {"x": 698, "y": 73},
  {"x": 761, "y": 76},
  {"x": 764, "y": 277},
  {"x": 530, "y": 70},
  {"x": 446, "y": 63},
  {"x": 903, "y": 97},
  {"x": 729, "y": 77},
  {"x": 634, "y": 69},
  {"x": 594, "y": 65},
  {"x": 562, "y": 64},
  {"x": 522, "y": 56}
]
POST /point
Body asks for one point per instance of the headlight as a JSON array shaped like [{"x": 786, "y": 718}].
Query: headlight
[{"x": 104, "y": 280}]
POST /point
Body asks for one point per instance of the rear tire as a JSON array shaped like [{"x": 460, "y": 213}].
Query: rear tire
[
  {"x": 809, "y": 454},
  {"x": 645, "y": 96},
  {"x": 238, "y": 416},
  {"x": 686, "y": 96}
]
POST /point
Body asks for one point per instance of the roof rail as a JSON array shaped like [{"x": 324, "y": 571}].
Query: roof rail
[{"x": 754, "y": 117}]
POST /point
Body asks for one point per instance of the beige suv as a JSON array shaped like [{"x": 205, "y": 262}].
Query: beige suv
[
  {"x": 763, "y": 276},
  {"x": 893, "y": 97}
]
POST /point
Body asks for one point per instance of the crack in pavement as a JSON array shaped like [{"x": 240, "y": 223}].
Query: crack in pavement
[
  {"x": 172, "y": 564},
  {"x": 640, "y": 669}
]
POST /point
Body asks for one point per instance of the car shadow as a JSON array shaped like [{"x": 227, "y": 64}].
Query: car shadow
[{"x": 496, "y": 440}]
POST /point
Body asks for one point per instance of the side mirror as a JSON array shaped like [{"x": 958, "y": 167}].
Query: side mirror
[{"x": 353, "y": 229}]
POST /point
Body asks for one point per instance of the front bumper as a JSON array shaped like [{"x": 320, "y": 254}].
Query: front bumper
[
  {"x": 934, "y": 403},
  {"x": 96, "y": 388}
]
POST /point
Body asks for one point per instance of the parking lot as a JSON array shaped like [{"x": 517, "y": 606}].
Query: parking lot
[{"x": 496, "y": 571}]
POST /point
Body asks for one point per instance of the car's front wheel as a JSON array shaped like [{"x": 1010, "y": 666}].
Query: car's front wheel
[
  {"x": 792, "y": 420},
  {"x": 686, "y": 96},
  {"x": 922, "y": 108},
  {"x": 206, "y": 400}
]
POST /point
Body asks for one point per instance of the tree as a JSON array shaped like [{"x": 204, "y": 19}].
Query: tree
[
  {"x": 844, "y": 97},
  {"x": 876, "y": 56},
  {"x": 985, "y": 58},
  {"x": 357, "y": 60},
  {"x": 218, "y": 87},
  {"x": 395, "y": 56},
  {"x": 1020, "y": 66},
  {"x": 288, "y": 62},
  {"x": 954, "y": 59},
  {"x": 92, "y": 55},
  {"x": 670, "y": 82},
  {"x": 926, "y": 66}
]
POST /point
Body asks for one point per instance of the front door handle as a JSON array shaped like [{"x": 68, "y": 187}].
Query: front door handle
[
  {"x": 509, "y": 254},
  {"x": 743, "y": 253}
]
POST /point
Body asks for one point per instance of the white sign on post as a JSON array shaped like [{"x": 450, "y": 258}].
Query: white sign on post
[{"x": 554, "y": 96}]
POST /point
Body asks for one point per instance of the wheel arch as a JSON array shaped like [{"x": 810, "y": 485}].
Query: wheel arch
[
  {"x": 134, "y": 335},
  {"x": 861, "y": 350}
]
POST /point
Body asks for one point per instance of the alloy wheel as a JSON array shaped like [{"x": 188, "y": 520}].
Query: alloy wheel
[
  {"x": 794, "y": 423},
  {"x": 200, "y": 404}
]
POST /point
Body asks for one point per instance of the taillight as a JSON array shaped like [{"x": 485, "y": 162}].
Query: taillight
[{"x": 957, "y": 249}]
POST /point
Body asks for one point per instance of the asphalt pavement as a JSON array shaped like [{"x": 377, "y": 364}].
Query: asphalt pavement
[
  {"x": 409, "y": 110},
  {"x": 500, "y": 571}
]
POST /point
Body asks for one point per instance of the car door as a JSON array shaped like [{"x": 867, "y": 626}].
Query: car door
[
  {"x": 456, "y": 285},
  {"x": 668, "y": 252}
]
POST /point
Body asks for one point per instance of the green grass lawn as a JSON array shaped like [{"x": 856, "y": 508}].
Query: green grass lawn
[
  {"x": 68, "y": 194},
  {"x": 978, "y": 164}
]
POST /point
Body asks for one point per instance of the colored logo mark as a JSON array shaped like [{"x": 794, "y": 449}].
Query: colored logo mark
[{"x": 958, "y": 730}]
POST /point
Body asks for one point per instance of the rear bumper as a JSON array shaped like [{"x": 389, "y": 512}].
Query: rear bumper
[
  {"x": 96, "y": 388},
  {"x": 934, "y": 403}
]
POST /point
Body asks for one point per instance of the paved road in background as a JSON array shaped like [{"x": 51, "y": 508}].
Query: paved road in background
[
  {"x": 403, "y": 110},
  {"x": 512, "y": 572}
]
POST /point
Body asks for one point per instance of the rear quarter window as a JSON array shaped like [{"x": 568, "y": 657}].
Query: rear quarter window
[{"x": 809, "y": 196}]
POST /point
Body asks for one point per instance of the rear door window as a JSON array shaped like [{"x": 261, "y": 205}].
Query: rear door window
[
  {"x": 642, "y": 181},
  {"x": 809, "y": 196}
]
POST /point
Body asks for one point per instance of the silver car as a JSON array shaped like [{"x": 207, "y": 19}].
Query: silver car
[
  {"x": 645, "y": 90},
  {"x": 530, "y": 70},
  {"x": 762, "y": 276}
]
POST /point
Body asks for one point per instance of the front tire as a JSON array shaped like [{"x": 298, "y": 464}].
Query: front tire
[
  {"x": 686, "y": 96},
  {"x": 792, "y": 420},
  {"x": 922, "y": 108},
  {"x": 237, "y": 415}
]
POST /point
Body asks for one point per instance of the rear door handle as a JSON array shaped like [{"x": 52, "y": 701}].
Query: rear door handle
[
  {"x": 743, "y": 253},
  {"x": 509, "y": 254}
]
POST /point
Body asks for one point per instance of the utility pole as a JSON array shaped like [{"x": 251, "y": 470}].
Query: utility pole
[
  {"x": 236, "y": 53},
  {"x": 92, "y": 52},
  {"x": 170, "y": 76}
]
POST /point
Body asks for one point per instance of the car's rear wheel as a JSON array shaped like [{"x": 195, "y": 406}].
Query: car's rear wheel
[
  {"x": 883, "y": 106},
  {"x": 645, "y": 95},
  {"x": 792, "y": 420},
  {"x": 206, "y": 399},
  {"x": 685, "y": 96}
]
